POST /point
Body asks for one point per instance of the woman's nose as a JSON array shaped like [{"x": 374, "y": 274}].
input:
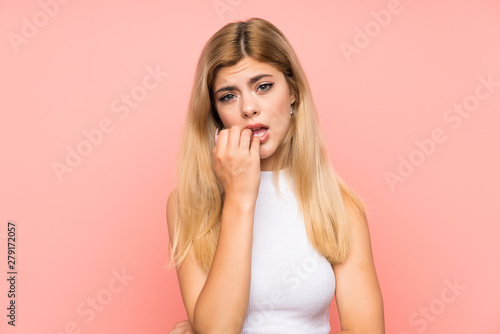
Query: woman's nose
[{"x": 250, "y": 106}]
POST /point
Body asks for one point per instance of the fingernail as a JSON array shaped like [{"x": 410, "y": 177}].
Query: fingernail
[{"x": 216, "y": 133}]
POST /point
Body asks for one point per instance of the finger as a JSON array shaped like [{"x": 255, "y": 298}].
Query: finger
[
  {"x": 255, "y": 146},
  {"x": 246, "y": 137},
  {"x": 222, "y": 139},
  {"x": 234, "y": 138},
  {"x": 181, "y": 323},
  {"x": 215, "y": 137}
]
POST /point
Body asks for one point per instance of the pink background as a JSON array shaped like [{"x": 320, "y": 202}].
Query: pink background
[{"x": 106, "y": 217}]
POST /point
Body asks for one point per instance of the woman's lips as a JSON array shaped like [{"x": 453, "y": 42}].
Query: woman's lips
[{"x": 262, "y": 133}]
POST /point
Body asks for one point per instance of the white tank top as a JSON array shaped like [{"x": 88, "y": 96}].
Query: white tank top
[{"x": 292, "y": 285}]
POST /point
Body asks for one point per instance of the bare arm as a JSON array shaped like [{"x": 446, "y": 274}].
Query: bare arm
[
  {"x": 358, "y": 295},
  {"x": 223, "y": 301},
  {"x": 217, "y": 302}
]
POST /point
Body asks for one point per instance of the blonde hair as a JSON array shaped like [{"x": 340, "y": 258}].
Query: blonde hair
[{"x": 320, "y": 192}]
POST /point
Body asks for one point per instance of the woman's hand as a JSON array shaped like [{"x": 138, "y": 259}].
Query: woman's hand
[
  {"x": 183, "y": 327},
  {"x": 237, "y": 162}
]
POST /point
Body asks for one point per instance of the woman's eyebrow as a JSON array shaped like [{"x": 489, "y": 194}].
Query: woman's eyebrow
[{"x": 250, "y": 82}]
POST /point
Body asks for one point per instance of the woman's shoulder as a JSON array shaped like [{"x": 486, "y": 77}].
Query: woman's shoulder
[
  {"x": 354, "y": 206},
  {"x": 172, "y": 197},
  {"x": 172, "y": 194},
  {"x": 171, "y": 200}
]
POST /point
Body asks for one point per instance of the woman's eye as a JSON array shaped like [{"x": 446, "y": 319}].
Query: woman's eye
[
  {"x": 263, "y": 88},
  {"x": 224, "y": 98},
  {"x": 267, "y": 86}
]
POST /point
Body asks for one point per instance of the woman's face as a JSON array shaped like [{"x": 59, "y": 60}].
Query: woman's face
[{"x": 251, "y": 93}]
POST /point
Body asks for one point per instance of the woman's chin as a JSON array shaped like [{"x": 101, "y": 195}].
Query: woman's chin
[{"x": 265, "y": 154}]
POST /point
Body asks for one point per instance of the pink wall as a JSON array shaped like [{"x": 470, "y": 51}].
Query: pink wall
[{"x": 92, "y": 238}]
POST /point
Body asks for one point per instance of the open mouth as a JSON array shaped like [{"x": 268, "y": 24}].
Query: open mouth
[{"x": 260, "y": 132}]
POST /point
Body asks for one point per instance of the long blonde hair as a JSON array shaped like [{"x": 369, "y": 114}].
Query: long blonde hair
[{"x": 320, "y": 192}]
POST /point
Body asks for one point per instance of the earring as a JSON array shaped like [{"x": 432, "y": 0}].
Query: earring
[{"x": 291, "y": 110}]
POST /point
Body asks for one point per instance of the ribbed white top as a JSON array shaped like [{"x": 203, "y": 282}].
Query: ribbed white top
[{"x": 292, "y": 285}]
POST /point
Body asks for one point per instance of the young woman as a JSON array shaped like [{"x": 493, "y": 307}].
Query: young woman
[{"x": 263, "y": 231}]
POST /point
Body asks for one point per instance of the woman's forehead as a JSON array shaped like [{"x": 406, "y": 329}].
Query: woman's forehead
[{"x": 243, "y": 71}]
